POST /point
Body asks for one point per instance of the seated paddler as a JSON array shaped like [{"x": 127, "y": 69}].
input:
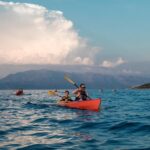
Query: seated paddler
[
  {"x": 81, "y": 93},
  {"x": 66, "y": 97}
]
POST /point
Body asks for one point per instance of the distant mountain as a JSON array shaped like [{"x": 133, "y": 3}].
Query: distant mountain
[
  {"x": 130, "y": 68},
  {"x": 48, "y": 79}
]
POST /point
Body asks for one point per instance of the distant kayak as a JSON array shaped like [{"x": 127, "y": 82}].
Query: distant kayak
[
  {"x": 93, "y": 104},
  {"x": 19, "y": 92}
]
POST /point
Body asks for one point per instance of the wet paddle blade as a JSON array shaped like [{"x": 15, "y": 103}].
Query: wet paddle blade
[
  {"x": 52, "y": 93},
  {"x": 69, "y": 80}
]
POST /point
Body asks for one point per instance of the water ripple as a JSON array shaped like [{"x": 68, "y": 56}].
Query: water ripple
[{"x": 35, "y": 122}]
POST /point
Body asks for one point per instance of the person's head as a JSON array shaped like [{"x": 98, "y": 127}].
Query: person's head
[
  {"x": 82, "y": 86},
  {"x": 66, "y": 92}
]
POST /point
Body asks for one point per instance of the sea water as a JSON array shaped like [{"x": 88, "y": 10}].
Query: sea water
[{"x": 34, "y": 121}]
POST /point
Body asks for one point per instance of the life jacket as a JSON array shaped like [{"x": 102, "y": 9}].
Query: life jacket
[
  {"x": 66, "y": 98},
  {"x": 82, "y": 96}
]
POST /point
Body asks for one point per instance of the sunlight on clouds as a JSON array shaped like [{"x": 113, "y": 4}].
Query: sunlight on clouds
[
  {"x": 83, "y": 61},
  {"x": 31, "y": 34},
  {"x": 111, "y": 64}
]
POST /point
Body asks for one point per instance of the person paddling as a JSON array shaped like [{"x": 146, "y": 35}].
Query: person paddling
[
  {"x": 66, "y": 97},
  {"x": 81, "y": 93},
  {"x": 19, "y": 92}
]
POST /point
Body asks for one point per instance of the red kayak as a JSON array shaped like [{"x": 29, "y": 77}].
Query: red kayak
[
  {"x": 19, "y": 92},
  {"x": 93, "y": 104}
]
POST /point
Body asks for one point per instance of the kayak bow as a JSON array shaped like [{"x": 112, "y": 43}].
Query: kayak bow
[{"x": 93, "y": 104}]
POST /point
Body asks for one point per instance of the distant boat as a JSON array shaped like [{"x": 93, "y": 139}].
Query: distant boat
[{"x": 19, "y": 92}]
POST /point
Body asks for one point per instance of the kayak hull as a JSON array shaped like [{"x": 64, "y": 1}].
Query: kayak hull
[
  {"x": 18, "y": 93},
  {"x": 93, "y": 104}
]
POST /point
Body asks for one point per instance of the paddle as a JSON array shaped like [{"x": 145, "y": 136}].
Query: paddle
[
  {"x": 69, "y": 80},
  {"x": 53, "y": 93},
  {"x": 72, "y": 82}
]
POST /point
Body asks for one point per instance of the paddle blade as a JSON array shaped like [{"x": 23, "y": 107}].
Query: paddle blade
[
  {"x": 52, "y": 93},
  {"x": 69, "y": 80}
]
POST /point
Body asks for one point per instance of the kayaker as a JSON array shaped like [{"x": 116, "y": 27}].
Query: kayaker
[
  {"x": 66, "y": 97},
  {"x": 19, "y": 92},
  {"x": 81, "y": 93}
]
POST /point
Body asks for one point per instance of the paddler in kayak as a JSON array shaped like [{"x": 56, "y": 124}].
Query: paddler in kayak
[
  {"x": 81, "y": 93},
  {"x": 66, "y": 97},
  {"x": 19, "y": 92}
]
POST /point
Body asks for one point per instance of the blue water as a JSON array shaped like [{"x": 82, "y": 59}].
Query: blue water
[{"x": 34, "y": 121}]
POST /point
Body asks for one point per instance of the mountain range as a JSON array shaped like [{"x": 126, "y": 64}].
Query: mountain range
[{"x": 49, "y": 79}]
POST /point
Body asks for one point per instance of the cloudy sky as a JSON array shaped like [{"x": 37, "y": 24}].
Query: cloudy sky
[{"x": 84, "y": 32}]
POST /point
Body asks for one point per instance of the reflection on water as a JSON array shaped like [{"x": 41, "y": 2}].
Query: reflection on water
[
  {"x": 29, "y": 138},
  {"x": 35, "y": 122},
  {"x": 83, "y": 136}
]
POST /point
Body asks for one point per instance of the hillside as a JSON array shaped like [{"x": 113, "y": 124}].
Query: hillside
[
  {"x": 143, "y": 86},
  {"x": 47, "y": 79}
]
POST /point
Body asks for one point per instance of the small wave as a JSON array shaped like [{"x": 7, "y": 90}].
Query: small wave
[
  {"x": 21, "y": 128},
  {"x": 109, "y": 107},
  {"x": 35, "y": 147},
  {"x": 40, "y": 134},
  {"x": 58, "y": 145},
  {"x": 3, "y": 132},
  {"x": 90, "y": 125},
  {"x": 40, "y": 120},
  {"x": 61, "y": 121},
  {"x": 144, "y": 148},
  {"x": 124, "y": 125},
  {"x": 87, "y": 125},
  {"x": 36, "y": 105},
  {"x": 144, "y": 129},
  {"x": 112, "y": 142}
]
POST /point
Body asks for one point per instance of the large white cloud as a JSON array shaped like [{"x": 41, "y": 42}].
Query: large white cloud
[{"x": 31, "y": 34}]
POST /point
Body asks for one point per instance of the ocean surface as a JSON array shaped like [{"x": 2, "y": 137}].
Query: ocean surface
[{"x": 35, "y": 122}]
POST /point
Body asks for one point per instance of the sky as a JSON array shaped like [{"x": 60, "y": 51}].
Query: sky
[{"x": 103, "y": 33}]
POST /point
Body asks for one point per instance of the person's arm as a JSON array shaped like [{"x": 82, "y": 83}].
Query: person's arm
[
  {"x": 63, "y": 98},
  {"x": 75, "y": 91}
]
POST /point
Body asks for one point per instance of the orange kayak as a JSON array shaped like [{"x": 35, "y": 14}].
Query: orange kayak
[{"x": 93, "y": 104}]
